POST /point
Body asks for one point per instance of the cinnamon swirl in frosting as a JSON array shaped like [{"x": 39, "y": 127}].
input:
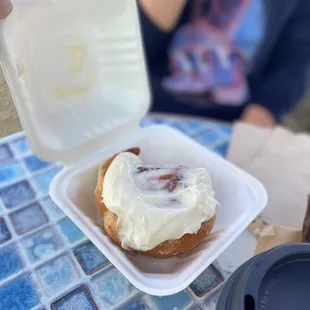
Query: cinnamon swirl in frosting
[{"x": 158, "y": 211}]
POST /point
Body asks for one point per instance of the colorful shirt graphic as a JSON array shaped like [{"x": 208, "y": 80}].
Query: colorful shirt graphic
[{"x": 211, "y": 55}]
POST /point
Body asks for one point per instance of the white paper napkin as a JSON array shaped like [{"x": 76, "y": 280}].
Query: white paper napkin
[{"x": 280, "y": 159}]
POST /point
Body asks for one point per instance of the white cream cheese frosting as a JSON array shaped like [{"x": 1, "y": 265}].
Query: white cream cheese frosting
[{"x": 154, "y": 205}]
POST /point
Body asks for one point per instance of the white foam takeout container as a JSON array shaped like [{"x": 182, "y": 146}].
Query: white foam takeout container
[{"x": 77, "y": 75}]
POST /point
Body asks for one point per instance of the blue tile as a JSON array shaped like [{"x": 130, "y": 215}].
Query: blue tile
[
  {"x": 41, "y": 245},
  {"x": 33, "y": 163},
  {"x": 222, "y": 149},
  {"x": 113, "y": 288},
  {"x": 4, "y": 232},
  {"x": 207, "y": 281},
  {"x": 90, "y": 258},
  {"x": 146, "y": 122},
  {"x": 10, "y": 262},
  {"x": 227, "y": 130},
  {"x": 17, "y": 194},
  {"x": 180, "y": 301},
  {"x": 5, "y": 152},
  {"x": 19, "y": 294},
  {"x": 159, "y": 121},
  {"x": 208, "y": 138},
  {"x": 79, "y": 299},
  {"x": 196, "y": 126},
  {"x": 10, "y": 172},
  {"x": 28, "y": 218},
  {"x": 136, "y": 305},
  {"x": 56, "y": 275},
  {"x": 50, "y": 207},
  {"x": 42, "y": 182},
  {"x": 70, "y": 231},
  {"x": 182, "y": 126},
  {"x": 20, "y": 146}
]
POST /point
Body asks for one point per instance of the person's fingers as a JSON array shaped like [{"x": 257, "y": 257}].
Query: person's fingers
[
  {"x": 258, "y": 115},
  {"x": 5, "y": 8}
]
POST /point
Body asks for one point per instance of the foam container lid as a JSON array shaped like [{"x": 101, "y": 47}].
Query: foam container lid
[
  {"x": 76, "y": 71},
  {"x": 77, "y": 74}
]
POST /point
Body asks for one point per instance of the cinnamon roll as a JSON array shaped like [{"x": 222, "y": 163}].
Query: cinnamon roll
[{"x": 157, "y": 211}]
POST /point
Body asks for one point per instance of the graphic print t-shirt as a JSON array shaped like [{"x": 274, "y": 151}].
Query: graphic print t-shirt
[{"x": 211, "y": 54}]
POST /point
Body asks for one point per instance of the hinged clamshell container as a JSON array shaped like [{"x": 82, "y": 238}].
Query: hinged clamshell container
[{"x": 77, "y": 74}]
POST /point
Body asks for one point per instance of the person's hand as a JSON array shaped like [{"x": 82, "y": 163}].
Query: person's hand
[
  {"x": 5, "y": 8},
  {"x": 258, "y": 115}
]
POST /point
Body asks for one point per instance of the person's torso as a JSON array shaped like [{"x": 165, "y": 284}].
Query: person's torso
[{"x": 218, "y": 45}]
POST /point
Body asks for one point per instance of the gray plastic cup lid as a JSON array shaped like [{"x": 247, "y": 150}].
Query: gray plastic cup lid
[{"x": 276, "y": 280}]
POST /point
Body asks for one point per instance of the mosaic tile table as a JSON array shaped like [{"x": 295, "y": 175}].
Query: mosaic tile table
[{"x": 45, "y": 260}]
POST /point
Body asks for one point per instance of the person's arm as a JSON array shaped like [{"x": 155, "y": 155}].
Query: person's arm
[
  {"x": 5, "y": 8},
  {"x": 163, "y": 13},
  {"x": 285, "y": 78}
]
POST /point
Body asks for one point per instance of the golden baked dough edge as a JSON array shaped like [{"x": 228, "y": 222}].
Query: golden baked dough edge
[{"x": 166, "y": 249}]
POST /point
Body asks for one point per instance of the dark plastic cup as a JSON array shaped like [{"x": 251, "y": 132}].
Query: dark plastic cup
[{"x": 275, "y": 280}]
